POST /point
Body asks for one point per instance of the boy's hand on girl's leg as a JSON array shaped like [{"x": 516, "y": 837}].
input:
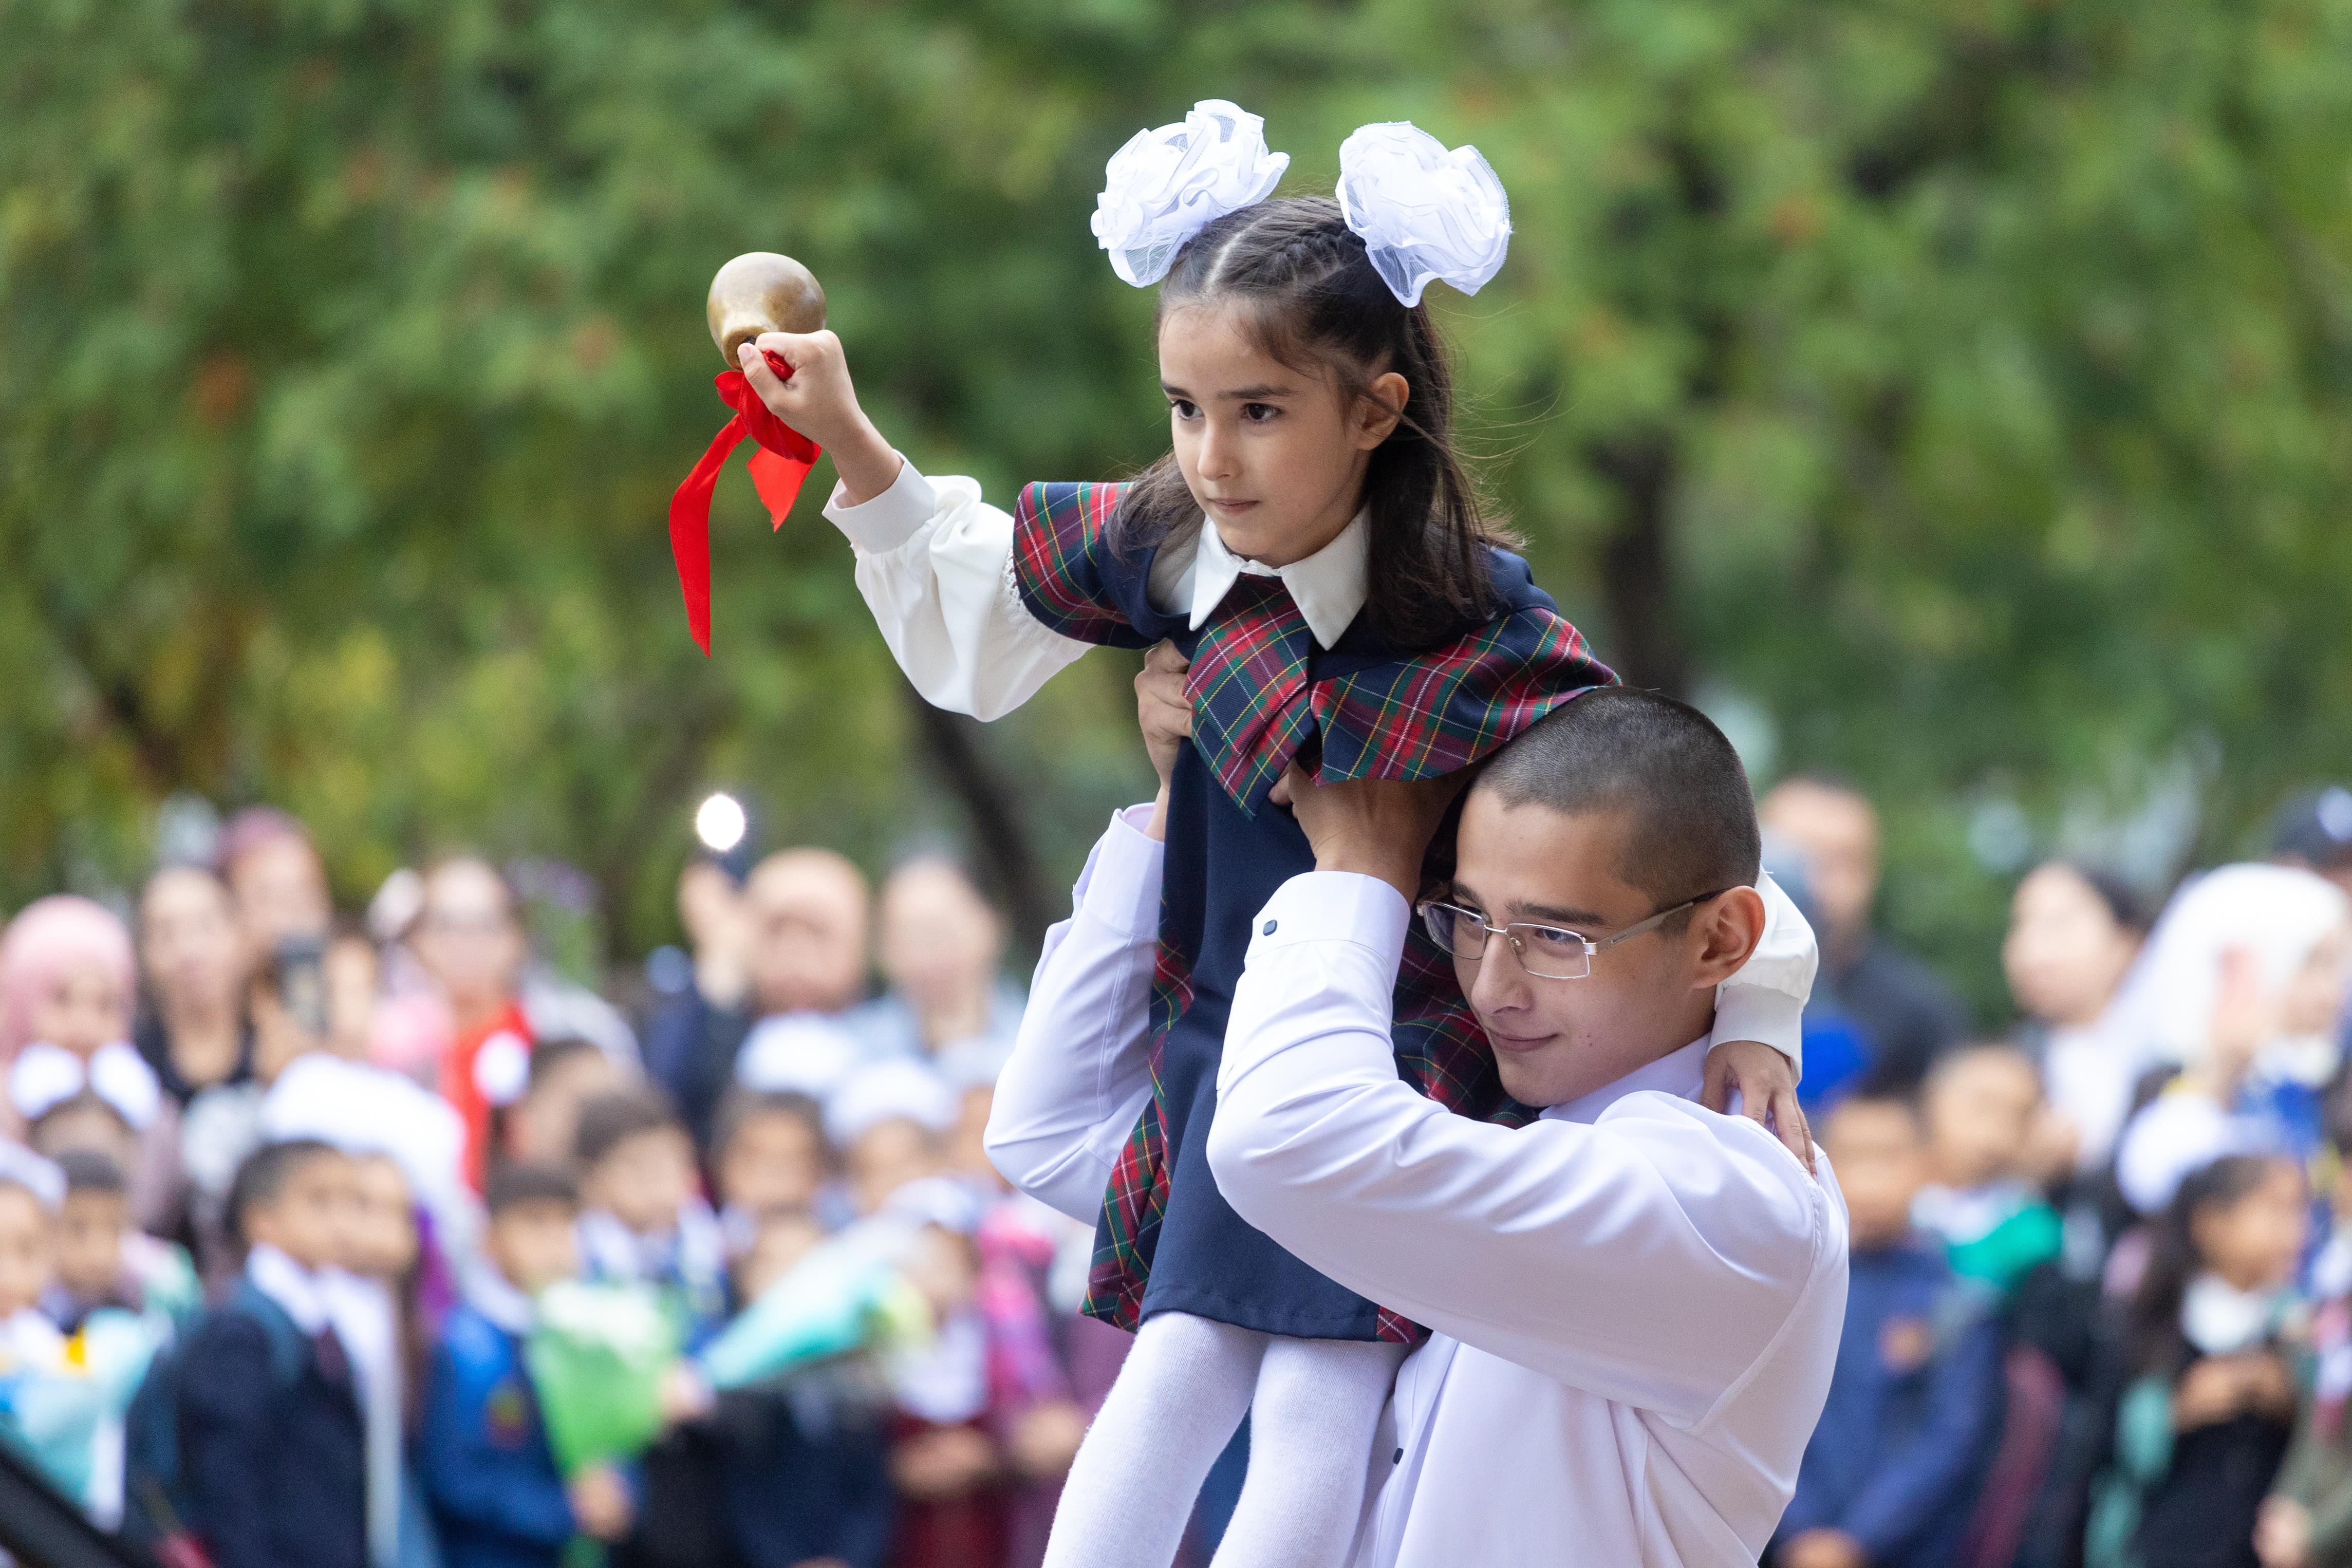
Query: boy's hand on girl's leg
[
  {"x": 601, "y": 1503},
  {"x": 1375, "y": 828},
  {"x": 1768, "y": 1092}
]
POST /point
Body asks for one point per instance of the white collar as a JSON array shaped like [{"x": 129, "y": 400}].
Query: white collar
[
  {"x": 500, "y": 1300},
  {"x": 1328, "y": 586},
  {"x": 294, "y": 1287},
  {"x": 1679, "y": 1073}
]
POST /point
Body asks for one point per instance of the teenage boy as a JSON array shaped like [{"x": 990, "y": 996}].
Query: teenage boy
[
  {"x": 272, "y": 1443},
  {"x": 498, "y": 1500},
  {"x": 1635, "y": 1301}
]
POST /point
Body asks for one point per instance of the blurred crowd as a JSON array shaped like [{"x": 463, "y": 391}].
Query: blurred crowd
[{"x": 339, "y": 1171}]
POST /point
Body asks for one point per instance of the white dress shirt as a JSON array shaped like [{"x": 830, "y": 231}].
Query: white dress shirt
[
  {"x": 1637, "y": 1302},
  {"x": 935, "y": 564}
]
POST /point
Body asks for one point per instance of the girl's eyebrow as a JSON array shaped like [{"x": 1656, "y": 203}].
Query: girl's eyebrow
[{"x": 1240, "y": 395}]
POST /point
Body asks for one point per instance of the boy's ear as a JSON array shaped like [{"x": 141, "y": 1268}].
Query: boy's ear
[
  {"x": 1724, "y": 931},
  {"x": 1379, "y": 409}
]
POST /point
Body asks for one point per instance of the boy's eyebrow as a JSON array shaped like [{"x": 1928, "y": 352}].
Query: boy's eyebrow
[{"x": 1555, "y": 914}]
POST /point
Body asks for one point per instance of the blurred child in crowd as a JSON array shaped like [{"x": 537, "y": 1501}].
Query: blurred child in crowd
[
  {"x": 1982, "y": 1105},
  {"x": 272, "y": 1441},
  {"x": 768, "y": 1157},
  {"x": 887, "y": 1122},
  {"x": 1914, "y": 1403},
  {"x": 496, "y": 1497},
  {"x": 942, "y": 948},
  {"x": 67, "y": 990},
  {"x": 541, "y": 1127},
  {"x": 642, "y": 1216},
  {"x": 103, "y": 1260},
  {"x": 29, "y": 1342},
  {"x": 374, "y": 1299},
  {"x": 2208, "y": 1405}
]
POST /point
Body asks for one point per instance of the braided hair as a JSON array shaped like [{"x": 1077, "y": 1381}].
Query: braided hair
[{"x": 1311, "y": 300}]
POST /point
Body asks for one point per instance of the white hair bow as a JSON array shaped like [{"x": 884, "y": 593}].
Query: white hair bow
[
  {"x": 1169, "y": 184},
  {"x": 1422, "y": 212},
  {"x": 44, "y": 1077}
]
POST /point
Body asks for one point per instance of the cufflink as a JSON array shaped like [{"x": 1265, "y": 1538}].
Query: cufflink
[{"x": 1267, "y": 929}]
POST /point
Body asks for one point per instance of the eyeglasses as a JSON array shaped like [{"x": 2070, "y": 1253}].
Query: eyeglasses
[{"x": 1547, "y": 952}]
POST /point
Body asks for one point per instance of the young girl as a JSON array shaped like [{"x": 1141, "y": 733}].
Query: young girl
[
  {"x": 1313, "y": 546},
  {"x": 66, "y": 995},
  {"x": 2204, "y": 1421}
]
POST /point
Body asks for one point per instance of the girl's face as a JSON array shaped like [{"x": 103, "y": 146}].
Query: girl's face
[
  {"x": 81, "y": 1010},
  {"x": 383, "y": 1233},
  {"x": 1274, "y": 457},
  {"x": 2255, "y": 1242},
  {"x": 2065, "y": 954},
  {"x": 2314, "y": 1002},
  {"x": 27, "y": 1250}
]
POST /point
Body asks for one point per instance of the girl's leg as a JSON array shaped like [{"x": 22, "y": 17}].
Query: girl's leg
[
  {"x": 1184, "y": 1390},
  {"x": 1311, "y": 1430}
]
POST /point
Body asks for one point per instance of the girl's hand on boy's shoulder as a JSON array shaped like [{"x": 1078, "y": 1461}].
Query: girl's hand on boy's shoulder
[{"x": 1767, "y": 1086}]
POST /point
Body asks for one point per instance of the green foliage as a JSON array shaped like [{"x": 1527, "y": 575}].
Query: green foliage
[{"x": 1965, "y": 383}]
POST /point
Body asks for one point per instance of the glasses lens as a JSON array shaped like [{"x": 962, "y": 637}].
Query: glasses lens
[
  {"x": 1454, "y": 930},
  {"x": 1552, "y": 953}
]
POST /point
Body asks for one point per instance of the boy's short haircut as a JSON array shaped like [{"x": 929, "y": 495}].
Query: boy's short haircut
[
  {"x": 739, "y": 1106},
  {"x": 263, "y": 1177},
  {"x": 513, "y": 1185},
  {"x": 88, "y": 1171},
  {"x": 609, "y": 1119},
  {"x": 1963, "y": 1055},
  {"x": 1877, "y": 1095},
  {"x": 1690, "y": 814},
  {"x": 548, "y": 1057}
]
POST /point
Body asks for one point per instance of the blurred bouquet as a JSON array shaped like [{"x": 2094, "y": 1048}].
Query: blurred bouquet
[
  {"x": 598, "y": 1357},
  {"x": 57, "y": 1394},
  {"x": 849, "y": 1294}
]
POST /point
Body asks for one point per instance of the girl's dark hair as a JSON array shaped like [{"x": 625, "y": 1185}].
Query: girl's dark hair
[
  {"x": 1311, "y": 298},
  {"x": 2153, "y": 1332},
  {"x": 2123, "y": 905}
]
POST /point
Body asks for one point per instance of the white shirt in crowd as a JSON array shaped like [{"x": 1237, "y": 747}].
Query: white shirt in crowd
[{"x": 1636, "y": 1303}]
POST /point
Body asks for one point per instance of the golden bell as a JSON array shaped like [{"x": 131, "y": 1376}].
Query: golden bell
[{"x": 762, "y": 293}]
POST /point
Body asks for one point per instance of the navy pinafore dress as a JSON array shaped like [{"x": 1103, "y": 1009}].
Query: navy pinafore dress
[{"x": 1167, "y": 1241}]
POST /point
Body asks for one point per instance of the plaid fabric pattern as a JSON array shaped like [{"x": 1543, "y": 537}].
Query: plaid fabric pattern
[
  {"x": 1060, "y": 535},
  {"x": 1138, "y": 1195},
  {"x": 1246, "y": 682}
]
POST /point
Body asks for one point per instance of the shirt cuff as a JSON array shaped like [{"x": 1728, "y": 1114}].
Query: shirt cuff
[
  {"x": 1760, "y": 1013},
  {"x": 1123, "y": 885},
  {"x": 1332, "y": 906},
  {"x": 884, "y": 522}
]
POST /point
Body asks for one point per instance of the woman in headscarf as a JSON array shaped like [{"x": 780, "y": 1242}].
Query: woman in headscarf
[{"x": 2241, "y": 987}]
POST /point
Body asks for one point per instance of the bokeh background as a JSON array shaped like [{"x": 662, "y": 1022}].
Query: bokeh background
[{"x": 1956, "y": 395}]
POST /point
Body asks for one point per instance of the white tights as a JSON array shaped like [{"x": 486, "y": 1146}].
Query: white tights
[{"x": 1187, "y": 1382}]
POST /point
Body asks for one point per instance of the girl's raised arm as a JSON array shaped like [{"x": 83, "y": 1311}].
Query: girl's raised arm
[{"x": 934, "y": 560}]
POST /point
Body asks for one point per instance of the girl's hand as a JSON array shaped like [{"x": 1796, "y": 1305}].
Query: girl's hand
[
  {"x": 1768, "y": 1092},
  {"x": 2282, "y": 1533},
  {"x": 819, "y": 402}
]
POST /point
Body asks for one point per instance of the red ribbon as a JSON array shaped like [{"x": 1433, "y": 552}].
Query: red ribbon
[{"x": 783, "y": 461}]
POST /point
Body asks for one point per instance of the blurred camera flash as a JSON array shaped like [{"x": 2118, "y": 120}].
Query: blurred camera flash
[{"x": 719, "y": 823}]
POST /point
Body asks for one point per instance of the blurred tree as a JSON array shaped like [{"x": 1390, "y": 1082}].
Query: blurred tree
[{"x": 1963, "y": 386}]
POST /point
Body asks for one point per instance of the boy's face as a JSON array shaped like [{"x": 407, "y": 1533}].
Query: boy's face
[
  {"x": 533, "y": 1246},
  {"x": 1980, "y": 1111},
  {"x": 886, "y": 1157},
  {"x": 1880, "y": 1162},
  {"x": 91, "y": 1227},
  {"x": 774, "y": 1160},
  {"x": 643, "y": 1180},
  {"x": 27, "y": 1250},
  {"x": 383, "y": 1240},
  {"x": 311, "y": 1219},
  {"x": 1558, "y": 1040}
]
